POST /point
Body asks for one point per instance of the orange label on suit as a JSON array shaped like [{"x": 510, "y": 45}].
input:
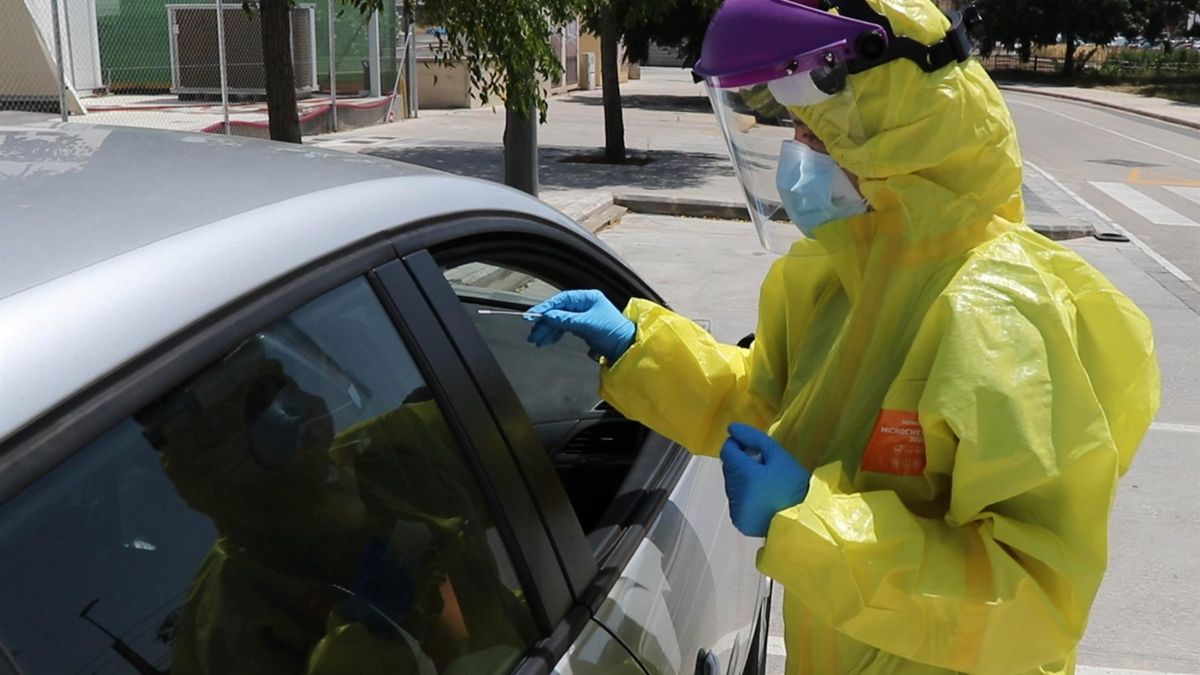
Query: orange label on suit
[{"x": 897, "y": 445}]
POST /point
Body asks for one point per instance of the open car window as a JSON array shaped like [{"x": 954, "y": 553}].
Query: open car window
[
  {"x": 593, "y": 448},
  {"x": 298, "y": 506},
  {"x": 556, "y": 383}
]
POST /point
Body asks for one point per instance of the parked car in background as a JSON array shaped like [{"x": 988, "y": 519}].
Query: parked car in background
[{"x": 270, "y": 409}]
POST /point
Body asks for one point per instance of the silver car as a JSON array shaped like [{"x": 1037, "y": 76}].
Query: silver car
[{"x": 270, "y": 409}]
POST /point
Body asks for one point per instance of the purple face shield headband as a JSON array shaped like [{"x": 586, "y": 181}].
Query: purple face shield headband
[{"x": 753, "y": 41}]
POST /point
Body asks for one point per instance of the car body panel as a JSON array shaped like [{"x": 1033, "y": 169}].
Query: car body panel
[
  {"x": 108, "y": 190},
  {"x": 597, "y": 652},
  {"x": 668, "y": 609},
  {"x": 62, "y": 334}
]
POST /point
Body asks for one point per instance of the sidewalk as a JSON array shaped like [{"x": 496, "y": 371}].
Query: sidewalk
[
  {"x": 667, "y": 121},
  {"x": 1176, "y": 112}
]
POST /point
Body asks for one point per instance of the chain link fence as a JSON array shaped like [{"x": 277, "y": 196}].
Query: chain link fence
[
  {"x": 1127, "y": 64},
  {"x": 197, "y": 65},
  {"x": 30, "y": 46}
]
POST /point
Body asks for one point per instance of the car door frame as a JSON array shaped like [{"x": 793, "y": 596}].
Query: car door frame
[
  {"x": 523, "y": 243},
  {"x": 38, "y": 448}
]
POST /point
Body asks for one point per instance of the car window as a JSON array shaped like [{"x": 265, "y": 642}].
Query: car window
[
  {"x": 299, "y": 506},
  {"x": 555, "y": 383}
]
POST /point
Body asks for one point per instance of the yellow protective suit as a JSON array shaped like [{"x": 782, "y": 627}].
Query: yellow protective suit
[{"x": 965, "y": 392}]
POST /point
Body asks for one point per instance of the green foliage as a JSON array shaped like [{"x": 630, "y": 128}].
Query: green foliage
[
  {"x": 679, "y": 24},
  {"x": 1023, "y": 24},
  {"x": 1154, "y": 18},
  {"x": 505, "y": 44},
  {"x": 1153, "y": 63}
]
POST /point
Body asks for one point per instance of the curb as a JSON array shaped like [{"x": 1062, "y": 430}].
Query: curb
[
  {"x": 1102, "y": 104},
  {"x": 687, "y": 207},
  {"x": 593, "y": 212},
  {"x": 692, "y": 207}
]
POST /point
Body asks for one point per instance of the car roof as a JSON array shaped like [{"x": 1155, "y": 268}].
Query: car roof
[
  {"x": 113, "y": 239},
  {"x": 75, "y": 194}
]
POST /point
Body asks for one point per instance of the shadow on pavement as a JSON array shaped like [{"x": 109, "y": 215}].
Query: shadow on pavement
[
  {"x": 667, "y": 102},
  {"x": 669, "y": 169}
]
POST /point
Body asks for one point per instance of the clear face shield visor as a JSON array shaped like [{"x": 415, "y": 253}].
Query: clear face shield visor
[{"x": 791, "y": 185}]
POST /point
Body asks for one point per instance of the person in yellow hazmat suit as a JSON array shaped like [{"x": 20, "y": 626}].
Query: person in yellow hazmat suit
[
  {"x": 930, "y": 424},
  {"x": 338, "y": 553}
]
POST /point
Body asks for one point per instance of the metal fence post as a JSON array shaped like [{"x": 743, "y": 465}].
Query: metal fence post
[
  {"x": 221, "y": 64},
  {"x": 410, "y": 72},
  {"x": 400, "y": 67},
  {"x": 332, "y": 68},
  {"x": 375, "y": 86},
  {"x": 58, "y": 55}
]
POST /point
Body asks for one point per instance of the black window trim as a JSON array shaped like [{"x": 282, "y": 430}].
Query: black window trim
[
  {"x": 532, "y": 246},
  {"x": 528, "y": 542},
  {"x": 554, "y": 509}
]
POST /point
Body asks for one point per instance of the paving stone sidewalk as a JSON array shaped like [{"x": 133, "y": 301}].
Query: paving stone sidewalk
[{"x": 668, "y": 122}]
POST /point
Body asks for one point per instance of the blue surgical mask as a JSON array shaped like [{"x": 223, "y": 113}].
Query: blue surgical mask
[{"x": 813, "y": 188}]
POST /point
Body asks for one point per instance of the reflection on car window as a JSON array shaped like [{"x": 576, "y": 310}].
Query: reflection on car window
[
  {"x": 500, "y": 284},
  {"x": 299, "y": 506},
  {"x": 554, "y": 383}
]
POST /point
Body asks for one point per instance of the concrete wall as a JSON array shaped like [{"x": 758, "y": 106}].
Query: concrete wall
[
  {"x": 589, "y": 42},
  {"x": 28, "y": 71},
  {"x": 443, "y": 86},
  {"x": 663, "y": 56}
]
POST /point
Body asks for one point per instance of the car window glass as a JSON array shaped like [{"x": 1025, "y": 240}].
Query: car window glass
[
  {"x": 300, "y": 506},
  {"x": 554, "y": 383}
]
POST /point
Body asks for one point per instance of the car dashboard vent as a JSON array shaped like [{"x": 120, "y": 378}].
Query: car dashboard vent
[{"x": 612, "y": 438}]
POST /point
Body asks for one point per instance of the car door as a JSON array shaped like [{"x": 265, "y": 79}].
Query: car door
[
  {"x": 306, "y": 482},
  {"x": 640, "y": 526}
]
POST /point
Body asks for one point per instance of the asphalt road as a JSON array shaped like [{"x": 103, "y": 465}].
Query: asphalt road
[
  {"x": 1141, "y": 173},
  {"x": 1141, "y": 176}
]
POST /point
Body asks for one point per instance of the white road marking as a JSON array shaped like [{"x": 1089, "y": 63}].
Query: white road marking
[
  {"x": 775, "y": 648},
  {"x": 1107, "y": 130},
  {"x": 1145, "y": 207},
  {"x": 1192, "y": 193},
  {"x": 1142, "y": 246},
  {"x": 1181, "y": 428},
  {"x": 1096, "y": 670}
]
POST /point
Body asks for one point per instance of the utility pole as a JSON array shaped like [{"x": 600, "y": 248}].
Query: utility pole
[
  {"x": 374, "y": 85},
  {"x": 58, "y": 55},
  {"x": 410, "y": 60}
]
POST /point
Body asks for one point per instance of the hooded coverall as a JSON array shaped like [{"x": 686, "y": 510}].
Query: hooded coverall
[{"x": 965, "y": 392}]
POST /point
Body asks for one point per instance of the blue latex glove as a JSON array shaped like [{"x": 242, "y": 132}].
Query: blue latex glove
[
  {"x": 587, "y": 314},
  {"x": 383, "y": 591},
  {"x": 761, "y": 479}
]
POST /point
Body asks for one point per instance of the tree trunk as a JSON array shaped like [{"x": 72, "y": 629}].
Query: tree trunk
[
  {"x": 614, "y": 121},
  {"x": 275, "y": 16},
  {"x": 1068, "y": 69},
  {"x": 520, "y": 144}
]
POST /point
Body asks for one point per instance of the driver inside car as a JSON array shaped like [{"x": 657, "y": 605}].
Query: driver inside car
[{"x": 323, "y": 565}]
